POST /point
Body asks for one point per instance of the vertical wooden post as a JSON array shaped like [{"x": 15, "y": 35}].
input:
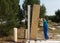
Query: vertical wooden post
[
  {"x": 26, "y": 32},
  {"x": 15, "y": 34},
  {"x": 28, "y": 23},
  {"x": 34, "y": 25}
]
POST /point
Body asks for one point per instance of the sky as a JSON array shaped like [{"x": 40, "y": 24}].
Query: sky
[{"x": 51, "y": 6}]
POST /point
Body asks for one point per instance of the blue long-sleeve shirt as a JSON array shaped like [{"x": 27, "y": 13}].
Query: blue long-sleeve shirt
[{"x": 45, "y": 25}]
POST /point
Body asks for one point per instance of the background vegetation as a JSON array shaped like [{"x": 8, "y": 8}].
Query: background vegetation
[{"x": 11, "y": 14}]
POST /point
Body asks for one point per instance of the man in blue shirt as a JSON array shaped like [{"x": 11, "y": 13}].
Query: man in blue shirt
[{"x": 45, "y": 26}]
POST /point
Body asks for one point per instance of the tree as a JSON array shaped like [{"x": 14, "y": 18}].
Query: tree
[
  {"x": 57, "y": 15},
  {"x": 20, "y": 16},
  {"x": 8, "y": 15},
  {"x": 42, "y": 11},
  {"x": 25, "y": 5},
  {"x": 30, "y": 2}
]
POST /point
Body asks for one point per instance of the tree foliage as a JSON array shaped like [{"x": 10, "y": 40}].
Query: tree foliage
[
  {"x": 42, "y": 11},
  {"x": 30, "y": 2},
  {"x": 57, "y": 15},
  {"x": 20, "y": 16},
  {"x": 8, "y": 15},
  {"x": 25, "y": 6}
]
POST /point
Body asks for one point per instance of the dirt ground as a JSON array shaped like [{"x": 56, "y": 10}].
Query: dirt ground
[{"x": 53, "y": 35}]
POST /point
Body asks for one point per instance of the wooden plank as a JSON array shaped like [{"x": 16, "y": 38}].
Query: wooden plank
[{"x": 34, "y": 25}]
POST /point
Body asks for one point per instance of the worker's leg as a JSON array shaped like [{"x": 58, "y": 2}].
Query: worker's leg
[{"x": 46, "y": 34}]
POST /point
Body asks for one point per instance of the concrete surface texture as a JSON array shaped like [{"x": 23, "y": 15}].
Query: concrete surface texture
[{"x": 43, "y": 41}]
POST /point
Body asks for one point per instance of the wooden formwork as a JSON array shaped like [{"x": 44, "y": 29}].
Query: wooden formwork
[{"x": 34, "y": 22}]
